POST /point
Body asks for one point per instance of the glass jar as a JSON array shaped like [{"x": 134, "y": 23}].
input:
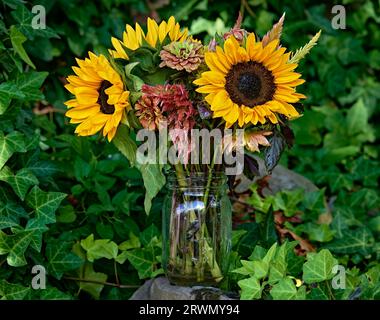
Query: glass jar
[{"x": 196, "y": 229}]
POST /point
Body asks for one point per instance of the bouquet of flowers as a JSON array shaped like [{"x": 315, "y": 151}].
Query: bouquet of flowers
[{"x": 163, "y": 85}]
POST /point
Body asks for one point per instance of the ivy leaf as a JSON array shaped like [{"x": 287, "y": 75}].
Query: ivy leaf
[
  {"x": 258, "y": 253},
  {"x": 43, "y": 168},
  {"x": 285, "y": 289},
  {"x": 250, "y": 289},
  {"x": 20, "y": 182},
  {"x": 8, "y": 91},
  {"x": 316, "y": 232},
  {"x": 37, "y": 228},
  {"x": 12, "y": 210},
  {"x": 270, "y": 254},
  {"x": 54, "y": 294},
  {"x": 277, "y": 271},
  {"x": 132, "y": 243},
  {"x": 97, "y": 249},
  {"x": 44, "y": 203},
  {"x": 29, "y": 84},
  {"x": 246, "y": 269},
  {"x": 357, "y": 118},
  {"x": 260, "y": 269},
  {"x": 94, "y": 289},
  {"x": 15, "y": 246},
  {"x": 318, "y": 294},
  {"x": 268, "y": 230},
  {"x": 10, "y": 291},
  {"x": 7, "y": 222},
  {"x": 10, "y": 214},
  {"x": 360, "y": 240},
  {"x": 149, "y": 234},
  {"x": 60, "y": 258},
  {"x": 24, "y": 17},
  {"x": 142, "y": 260},
  {"x": 318, "y": 266},
  {"x": 9, "y": 144},
  {"x": 17, "y": 39}
]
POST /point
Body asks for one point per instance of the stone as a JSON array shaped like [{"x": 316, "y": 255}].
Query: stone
[
  {"x": 280, "y": 179},
  {"x": 285, "y": 179},
  {"x": 161, "y": 289}
]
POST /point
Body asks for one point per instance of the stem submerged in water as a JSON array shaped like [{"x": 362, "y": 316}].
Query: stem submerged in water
[{"x": 197, "y": 252}]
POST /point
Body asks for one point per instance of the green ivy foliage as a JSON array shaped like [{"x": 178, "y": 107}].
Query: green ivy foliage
[{"x": 77, "y": 207}]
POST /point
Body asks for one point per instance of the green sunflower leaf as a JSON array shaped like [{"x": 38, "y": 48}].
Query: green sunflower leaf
[
  {"x": 154, "y": 180},
  {"x": 125, "y": 144}
]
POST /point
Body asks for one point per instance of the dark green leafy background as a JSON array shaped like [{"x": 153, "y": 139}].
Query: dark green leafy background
[{"x": 77, "y": 207}]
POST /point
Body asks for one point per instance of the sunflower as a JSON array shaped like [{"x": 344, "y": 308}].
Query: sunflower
[
  {"x": 100, "y": 99},
  {"x": 133, "y": 38},
  {"x": 250, "y": 83}
]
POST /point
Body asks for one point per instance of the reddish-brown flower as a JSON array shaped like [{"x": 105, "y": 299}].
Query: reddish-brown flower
[
  {"x": 149, "y": 113},
  {"x": 170, "y": 103}
]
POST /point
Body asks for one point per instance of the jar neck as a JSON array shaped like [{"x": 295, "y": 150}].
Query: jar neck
[{"x": 213, "y": 180}]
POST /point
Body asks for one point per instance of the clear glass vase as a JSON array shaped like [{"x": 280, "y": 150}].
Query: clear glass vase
[{"x": 196, "y": 229}]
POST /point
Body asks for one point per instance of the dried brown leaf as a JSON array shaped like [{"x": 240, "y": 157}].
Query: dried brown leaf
[{"x": 275, "y": 32}]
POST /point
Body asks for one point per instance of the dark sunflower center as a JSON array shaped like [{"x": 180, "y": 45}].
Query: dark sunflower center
[
  {"x": 103, "y": 97},
  {"x": 250, "y": 83}
]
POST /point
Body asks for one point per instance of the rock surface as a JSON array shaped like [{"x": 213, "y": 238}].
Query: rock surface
[
  {"x": 280, "y": 179},
  {"x": 161, "y": 289}
]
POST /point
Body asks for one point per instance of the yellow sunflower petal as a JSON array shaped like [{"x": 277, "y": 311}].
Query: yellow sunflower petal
[
  {"x": 208, "y": 89},
  {"x": 251, "y": 40},
  {"x": 287, "y": 98},
  {"x": 228, "y": 62},
  {"x": 152, "y": 34},
  {"x": 219, "y": 100},
  {"x": 85, "y": 110},
  {"x": 209, "y": 59},
  {"x": 82, "y": 113},
  {"x": 111, "y": 134},
  {"x": 268, "y": 49},
  {"x": 292, "y": 76},
  {"x": 233, "y": 114},
  {"x": 231, "y": 50}
]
